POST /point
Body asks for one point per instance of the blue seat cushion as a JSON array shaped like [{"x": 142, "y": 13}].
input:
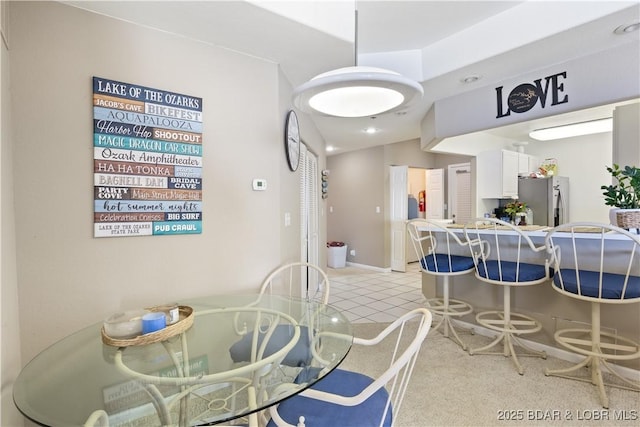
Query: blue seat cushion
[
  {"x": 307, "y": 374},
  {"x": 612, "y": 284},
  {"x": 527, "y": 272},
  {"x": 318, "y": 413},
  {"x": 442, "y": 265},
  {"x": 300, "y": 354}
]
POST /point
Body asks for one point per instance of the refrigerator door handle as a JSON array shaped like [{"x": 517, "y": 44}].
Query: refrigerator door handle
[{"x": 557, "y": 217}]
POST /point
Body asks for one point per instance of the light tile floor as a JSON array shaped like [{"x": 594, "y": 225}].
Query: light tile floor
[{"x": 367, "y": 296}]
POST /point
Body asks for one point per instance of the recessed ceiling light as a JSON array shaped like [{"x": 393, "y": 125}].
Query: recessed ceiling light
[
  {"x": 371, "y": 130},
  {"x": 470, "y": 78},
  {"x": 627, "y": 28},
  {"x": 330, "y": 148}
]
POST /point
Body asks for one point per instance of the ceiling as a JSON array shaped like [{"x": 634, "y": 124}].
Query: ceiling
[{"x": 437, "y": 43}]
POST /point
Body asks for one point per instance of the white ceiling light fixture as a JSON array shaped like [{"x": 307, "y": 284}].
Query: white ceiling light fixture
[
  {"x": 574, "y": 129},
  {"x": 356, "y": 91}
]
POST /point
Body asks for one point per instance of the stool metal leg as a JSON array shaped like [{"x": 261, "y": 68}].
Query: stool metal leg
[
  {"x": 510, "y": 325},
  {"x": 448, "y": 308},
  {"x": 593, "y": 347}
]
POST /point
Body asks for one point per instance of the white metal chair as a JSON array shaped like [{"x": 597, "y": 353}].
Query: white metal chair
[
  {"x": 346, "y": 398},
  {"x": 98, "y": 418},
  {"x": 298, "y": 279},
  {"x": 505, "y": 256},
  {"x": 441, "y": 253},
  {"x": 245, "y": 378},
  {"x": 600, "y": 270},
  {"x": 301, "y": 279}
]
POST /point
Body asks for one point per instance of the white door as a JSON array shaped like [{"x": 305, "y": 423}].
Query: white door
[
  {"x": 398, "y": 215},
  {"x": 459, "y": 190},
  {"x": 434, "y": 194},
  {"x": 309, "y": 224}
]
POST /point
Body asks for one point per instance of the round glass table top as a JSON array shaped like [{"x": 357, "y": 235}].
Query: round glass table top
[{"x": 242, "y": 354}]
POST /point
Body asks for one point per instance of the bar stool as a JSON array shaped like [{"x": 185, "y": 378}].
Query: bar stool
[
  {"x": 440, "y": 259},
  {"x": 504, "y": 256},
  {"x": 600, "y": 267}
]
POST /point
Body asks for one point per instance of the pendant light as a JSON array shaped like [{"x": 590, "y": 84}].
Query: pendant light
[{"x": 356, "y": 91}]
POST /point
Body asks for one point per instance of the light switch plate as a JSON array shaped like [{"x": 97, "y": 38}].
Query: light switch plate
[{"x": 259, "y": 184}]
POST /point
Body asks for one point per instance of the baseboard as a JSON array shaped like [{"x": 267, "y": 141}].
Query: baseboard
[
  {"x": 369, "y": 267},
  {"x": 556, "y": 352}
]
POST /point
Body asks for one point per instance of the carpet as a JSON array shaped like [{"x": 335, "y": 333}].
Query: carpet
[{"x": 451, "y": 388}]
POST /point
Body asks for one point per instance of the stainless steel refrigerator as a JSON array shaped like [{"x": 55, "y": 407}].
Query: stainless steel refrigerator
[{"x": 548, "y": 198}]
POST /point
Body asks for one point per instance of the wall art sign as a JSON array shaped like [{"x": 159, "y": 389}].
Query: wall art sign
[
  {"x": 525, "y": 96},
  {"x": 147, "y": 161}
]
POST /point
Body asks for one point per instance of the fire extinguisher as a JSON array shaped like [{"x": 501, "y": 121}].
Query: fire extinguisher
[{"x": 421, "y": 201}]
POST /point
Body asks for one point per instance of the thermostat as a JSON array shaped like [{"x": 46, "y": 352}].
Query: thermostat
[{"x": 259, "y": 184}]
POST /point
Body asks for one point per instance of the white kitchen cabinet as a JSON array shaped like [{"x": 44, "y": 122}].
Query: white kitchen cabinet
[
  {"x": 527, "y": 164},
  {"x": 497, "y": 174}
]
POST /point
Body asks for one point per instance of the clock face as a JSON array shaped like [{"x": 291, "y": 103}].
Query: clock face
[{"x": 292, "y": 140}]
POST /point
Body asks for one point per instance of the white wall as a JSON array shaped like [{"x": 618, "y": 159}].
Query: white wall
[
  {"x": 584, "y": 160},
  {"x": 67, "y": 278}
]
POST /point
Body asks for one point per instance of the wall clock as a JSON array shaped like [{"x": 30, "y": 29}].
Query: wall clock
[{"x": 292, "y": 140}]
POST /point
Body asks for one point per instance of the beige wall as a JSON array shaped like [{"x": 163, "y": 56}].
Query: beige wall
[
  {"x": 9, "y": 314},
  {"x": 358, "y": 184},
  {"x": 66, "y": 278},
  {"x": 356, "y": 188}
]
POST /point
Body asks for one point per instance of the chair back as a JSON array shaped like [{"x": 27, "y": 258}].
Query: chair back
[
  {"x": 439, "y": 249},
  {"x": 504, "y": 255},
  {"x": 402, "y": 340},
  {"x": 595, "y": 262},
  {"x": 300, "y": 279},
  {"x": 98, "y": 418},
  {"x": 396, "y": 377}
]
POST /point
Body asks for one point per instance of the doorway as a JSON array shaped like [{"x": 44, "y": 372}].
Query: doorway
[{"x": 433, "y": 208}]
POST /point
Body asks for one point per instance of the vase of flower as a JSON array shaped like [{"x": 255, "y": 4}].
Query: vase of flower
[
  {"x": 521, "y": 218},
  {"x": 517, "y": 211}
]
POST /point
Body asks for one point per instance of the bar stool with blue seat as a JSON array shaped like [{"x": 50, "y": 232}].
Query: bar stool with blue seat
[
  {"x": 599, "y": 264},
  {"x": 442, "y": 253},
  {"x": 505, "y": 256}
]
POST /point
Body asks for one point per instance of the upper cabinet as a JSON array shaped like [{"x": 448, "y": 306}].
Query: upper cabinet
[
  {"x": 498, "y": 171},
  {"x": 527, "y": 164},
  {"x": 497, "y": 174},
  {"x": 626, "y": 134}
]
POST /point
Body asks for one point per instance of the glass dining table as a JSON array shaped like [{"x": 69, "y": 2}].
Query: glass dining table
[{"x": 240, "y": 355}]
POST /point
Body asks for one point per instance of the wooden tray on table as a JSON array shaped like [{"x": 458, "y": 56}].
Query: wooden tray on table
[{"x": 184, "y": 323}]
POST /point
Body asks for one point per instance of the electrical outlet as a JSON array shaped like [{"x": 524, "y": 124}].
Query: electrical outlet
[{"x": 352, "y": 252}]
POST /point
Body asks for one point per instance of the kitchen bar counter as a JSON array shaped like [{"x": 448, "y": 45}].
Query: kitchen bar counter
[
  {"x": 553, "y": 310},
  {"x": 541, "y": 231}
]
